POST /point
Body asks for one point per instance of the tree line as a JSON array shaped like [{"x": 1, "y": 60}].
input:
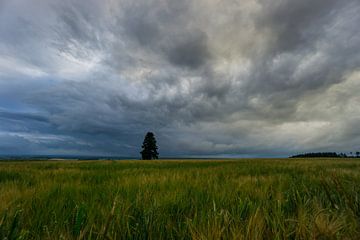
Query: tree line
[{"x": 326, "y": 155}]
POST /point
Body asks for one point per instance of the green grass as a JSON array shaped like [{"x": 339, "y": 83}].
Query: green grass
[{"x": 230, "y": 199}]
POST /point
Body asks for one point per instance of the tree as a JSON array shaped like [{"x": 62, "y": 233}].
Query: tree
[
  {"x": 357, "y": 154},
  {"x": 149, "y": 147}
]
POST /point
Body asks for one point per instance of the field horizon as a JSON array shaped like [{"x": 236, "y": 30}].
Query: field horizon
[{"x": 180, "y": 199}]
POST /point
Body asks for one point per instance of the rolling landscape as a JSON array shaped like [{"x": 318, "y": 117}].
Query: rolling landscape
[{"x": 181, "y": 199}]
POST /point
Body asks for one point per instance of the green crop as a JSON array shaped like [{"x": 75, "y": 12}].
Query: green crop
[{"x": 181, "y": 199}]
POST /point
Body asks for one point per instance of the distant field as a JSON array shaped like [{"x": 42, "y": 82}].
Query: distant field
[{"x": 208, "y": 199}]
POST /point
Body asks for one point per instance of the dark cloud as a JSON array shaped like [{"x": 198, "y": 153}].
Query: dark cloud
[
  {"x": 141, "y": 25},
  {"x": 191, "y": 52},
  {"x": 256, "y": 78},
  {"x": 21, "y": 116},
  {"x": 297, "y": 23}
]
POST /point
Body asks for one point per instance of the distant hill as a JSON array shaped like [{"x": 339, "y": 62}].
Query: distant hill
[
  {"x": 320, "y": 155},
  {"x": 61, "y": 157}
]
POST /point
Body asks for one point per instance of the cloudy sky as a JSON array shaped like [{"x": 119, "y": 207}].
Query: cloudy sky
[{"x": 208, "y": 77}]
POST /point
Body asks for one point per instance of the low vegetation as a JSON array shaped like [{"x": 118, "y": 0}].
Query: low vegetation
[
  {"x": 327, "y": 155},
  {"x": 230, "y": 199}
]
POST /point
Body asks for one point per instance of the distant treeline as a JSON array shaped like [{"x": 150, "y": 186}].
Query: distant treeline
[
  {"x": 60, "y": 157},
  {"x": 325, "y": 155}
]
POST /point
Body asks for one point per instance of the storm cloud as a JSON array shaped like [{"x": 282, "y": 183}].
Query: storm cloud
[{"x": 209, "y": 78}]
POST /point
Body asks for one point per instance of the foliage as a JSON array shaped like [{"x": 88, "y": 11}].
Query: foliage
[
  {"x": 228, "y": 199},
  {"x": 149, "y": 147},
  {"x": 320, "y": 155}
]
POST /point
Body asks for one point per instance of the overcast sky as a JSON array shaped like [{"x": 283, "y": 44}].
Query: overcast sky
[{"x": 208, "y": 77}]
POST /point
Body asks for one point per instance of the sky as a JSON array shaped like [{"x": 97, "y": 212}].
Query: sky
[{"x": 250, "y": 78}]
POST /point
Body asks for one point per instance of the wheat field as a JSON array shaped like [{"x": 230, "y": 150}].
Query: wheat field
[{"x": 181, "y": 199}]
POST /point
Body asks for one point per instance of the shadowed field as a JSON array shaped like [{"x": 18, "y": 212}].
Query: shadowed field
[{"x": 208, "y": 199}]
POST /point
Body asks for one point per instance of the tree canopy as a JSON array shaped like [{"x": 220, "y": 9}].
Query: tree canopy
[
  {"x": 320, "y": 154},
  {"x": 149, "y": 147}
]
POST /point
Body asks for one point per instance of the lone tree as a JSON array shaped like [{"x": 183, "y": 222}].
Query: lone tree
[{"x": 149, "y": 147}]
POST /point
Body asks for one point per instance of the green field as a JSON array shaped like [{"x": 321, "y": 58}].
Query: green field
[{"x": 229, "y": 199}]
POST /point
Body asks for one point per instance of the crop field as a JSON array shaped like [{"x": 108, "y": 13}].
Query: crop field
[{"x": 181, "y": 199}]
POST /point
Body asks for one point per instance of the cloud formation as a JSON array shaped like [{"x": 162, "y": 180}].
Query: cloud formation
[{"x": 221, "y": 78}]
